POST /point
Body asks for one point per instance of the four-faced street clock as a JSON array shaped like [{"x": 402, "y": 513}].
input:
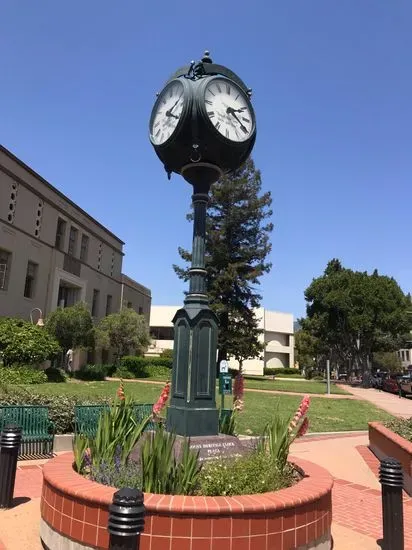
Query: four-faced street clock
[
  {"x": 203, "y": 119},
  {"x": 202, "y": 126}
]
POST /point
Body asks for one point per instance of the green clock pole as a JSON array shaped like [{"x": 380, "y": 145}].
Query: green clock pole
[{"x": 192, "y": 410}]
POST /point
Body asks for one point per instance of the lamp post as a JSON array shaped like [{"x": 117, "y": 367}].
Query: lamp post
[
  {"x": 40, "y": 322},
  {"x": 202, "y": 126}
]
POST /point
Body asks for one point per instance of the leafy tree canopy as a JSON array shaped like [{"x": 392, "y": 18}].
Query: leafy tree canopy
[
  {"x": 24, "y": 343},
  {"x": 237, "y": 246},
  {"x": 71, "y": 326},
  {"x": 347, "y": 309},
  {"x": 123, "y": 331},
  {"x": 387, "y": 360}
]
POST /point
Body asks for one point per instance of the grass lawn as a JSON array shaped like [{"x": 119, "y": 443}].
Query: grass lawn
[
  {"x": 325, "y": 415},
  {"x": 306, "y": 386}
]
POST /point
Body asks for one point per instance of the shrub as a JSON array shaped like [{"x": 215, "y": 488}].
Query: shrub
[
  {"x": 91, "y": 372},
  {"x": 135, "y": 362},
  {"x": 271, "y": 371},
  {"x": 256, "y": 473},
  {"x": 167, "y": 353},
  {"x": 401, "y": 426},
  {"x": 61, "y": 408},
  {"x": 24, "y": 343},
  {"x": 313, "y": 374},
  {"x": 55, "y": 375},
  {"x": 144, "y": 367},
  {"x": 22, "y": 375}
]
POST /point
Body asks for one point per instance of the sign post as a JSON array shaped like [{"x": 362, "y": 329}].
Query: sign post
[{"x": 225, "y": 382}]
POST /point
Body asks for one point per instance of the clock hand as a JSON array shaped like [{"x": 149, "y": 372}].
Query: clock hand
[
  {"x": 169, "y": 112},
  {"x": 231, "y": 111}
]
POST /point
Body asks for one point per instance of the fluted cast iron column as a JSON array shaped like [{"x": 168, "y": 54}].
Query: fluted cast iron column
[
  {"x": 197, "y": 272},
  {"x": 192, "y": 410}
]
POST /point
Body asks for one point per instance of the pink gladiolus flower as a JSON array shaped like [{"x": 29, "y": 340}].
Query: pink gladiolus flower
[
  {"x": 300, "y": 413},
  {"x": 238, "y": 392},
  {"x": 120, "y": 391},
  {"x": 303, "y": 428},
  {"x": 161, "y": 402}
]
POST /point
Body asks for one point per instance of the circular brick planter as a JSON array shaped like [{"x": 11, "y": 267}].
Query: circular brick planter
[{"x": 74, "y": 514}]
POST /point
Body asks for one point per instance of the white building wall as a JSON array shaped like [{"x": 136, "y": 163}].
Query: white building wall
[{"x": 277, "y": 336}]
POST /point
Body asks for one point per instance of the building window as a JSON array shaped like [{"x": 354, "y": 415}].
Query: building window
[
  {"x": 72, "y": 241},
  {"x": 99, "y": 257},
  {"x": 84, "y": 248},
  {"x": 108, "y": 304},
  {"x": 95, "y": 303},
  {"x": 29, "y": 285},
  {"x": 140, "y": 310},
  {"x": 162, "y": 333},
  {"x": 5, "y": 262},
  {"x": 60, "y": 234}
]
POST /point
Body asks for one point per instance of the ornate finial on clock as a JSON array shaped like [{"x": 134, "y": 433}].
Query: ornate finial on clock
[{"x": 206, "y": 57}]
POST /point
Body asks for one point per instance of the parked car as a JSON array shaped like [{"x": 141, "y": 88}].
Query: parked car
[
  {"x": 378, "y": 378},
  {"x": 405, "y": 385},
  {"x": 391, "y": 383}
]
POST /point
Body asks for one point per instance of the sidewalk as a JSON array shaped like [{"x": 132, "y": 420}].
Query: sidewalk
[
  {"x": 398, "y": 406},
  {"x": 356, "y": 496},
  {"x": 357, "y": 520}
]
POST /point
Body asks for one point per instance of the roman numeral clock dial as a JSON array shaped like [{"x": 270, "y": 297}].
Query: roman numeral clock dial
[
  {"x": 167, "y": 113},
  {"x": 228, "y": 109}
]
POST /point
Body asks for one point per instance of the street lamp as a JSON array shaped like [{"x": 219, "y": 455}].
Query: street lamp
[
  {"x": 202, "y": 126},
  {"x": 40, "y": 322}
]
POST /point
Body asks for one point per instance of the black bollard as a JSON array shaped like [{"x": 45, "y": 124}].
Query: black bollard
[
  {"x": 10, "y": 440},
  {"x": 126, "y": 519},
  {"x": 391, "y": 478}
]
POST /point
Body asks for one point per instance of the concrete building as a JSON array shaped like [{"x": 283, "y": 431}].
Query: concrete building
[
  {"x": 405, "y": 355},
  {"x": 277, "y": 336},
  {"x": 53, "y": 254}
]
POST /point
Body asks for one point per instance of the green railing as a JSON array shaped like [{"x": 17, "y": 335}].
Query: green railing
[
  {"x": 37, "y": 428},
  {"x": 86, "y": 417}
]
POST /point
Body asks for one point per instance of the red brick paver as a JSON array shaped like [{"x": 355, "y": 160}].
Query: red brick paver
[
  {"x": 360, "y": 509},
  {"x": 29, "y": 481},
  {"x": 369, "y": 458}
]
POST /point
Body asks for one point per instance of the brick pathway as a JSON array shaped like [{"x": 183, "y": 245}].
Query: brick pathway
[
  {"x": 398, "y": 406},
  {"x": 356, "y": 505}
]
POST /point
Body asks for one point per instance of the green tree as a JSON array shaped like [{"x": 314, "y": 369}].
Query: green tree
[
  {"x": 123, "y": 332},
  {"x": 387, "y": 360},
  {"x": 355, "y": 314},
  {"x": 24, "y": 343},
  {"x": 72, "y": 327},
  {"x": 237, "y": 246},
  {"x": 307, "y": 348}
]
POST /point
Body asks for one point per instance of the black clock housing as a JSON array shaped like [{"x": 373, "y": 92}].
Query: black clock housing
[{"x": 196, "y": 150}]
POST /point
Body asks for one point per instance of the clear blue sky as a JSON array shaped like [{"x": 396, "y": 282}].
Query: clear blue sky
[{"x": 332, "y": 89}]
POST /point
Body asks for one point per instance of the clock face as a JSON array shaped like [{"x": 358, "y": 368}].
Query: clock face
[
  {"x": 228, "y": 109},
  {"x": 167, "y": 112}
]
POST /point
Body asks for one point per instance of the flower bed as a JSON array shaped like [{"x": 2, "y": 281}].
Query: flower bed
[
  {"x": 385, "y": 443},
  {"x": 74, "y": 508}
]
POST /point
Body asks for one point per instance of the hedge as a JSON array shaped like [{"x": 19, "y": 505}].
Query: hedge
[
  {"x": 272, "y": 371},
  {"x": 93, "y": 372},
  {"x": 61, "y": 407},
  {"x": 144, "y": 367},
  {"x": 22, "y": 375}
]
